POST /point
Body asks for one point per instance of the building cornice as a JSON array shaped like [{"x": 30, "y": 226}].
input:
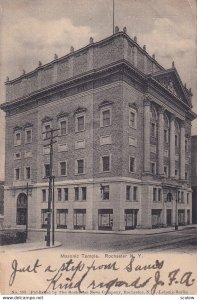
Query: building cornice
[
  {"x": 89, "y": 81},
  {"x": 84, "y": 49}
]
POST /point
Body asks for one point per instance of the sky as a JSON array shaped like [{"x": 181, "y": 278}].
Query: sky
[{"x": 34, "y": 30}]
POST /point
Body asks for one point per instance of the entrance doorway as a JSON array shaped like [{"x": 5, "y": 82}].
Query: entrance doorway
[
  {"x": 21, "y": 213},
  {"x": 169, "y": 217}
]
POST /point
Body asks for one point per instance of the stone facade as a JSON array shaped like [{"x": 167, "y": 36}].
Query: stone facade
[
  {"x": 194, "y": 177},
  {"x": 122, "y": 156}
]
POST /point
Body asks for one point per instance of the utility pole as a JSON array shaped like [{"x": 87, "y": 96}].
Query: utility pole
[
  {"x": 51, "y": 142},
  {"x": 53, "y": 212},
  {"x": 113, "y": 14},
  {"x": 27, "y": 191}
]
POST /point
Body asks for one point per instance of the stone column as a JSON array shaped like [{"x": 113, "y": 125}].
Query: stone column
[
  {"x": 147, "y": 135},
  {"x": 161, "y": 141},
  {"x": 172, "y": 146},
  {"x": 182, "y": 151}
]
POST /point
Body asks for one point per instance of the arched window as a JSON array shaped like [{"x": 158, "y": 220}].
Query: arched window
[{"x": 21, "y": 213}]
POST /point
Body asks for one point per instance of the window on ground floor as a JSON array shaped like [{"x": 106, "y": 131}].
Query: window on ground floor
[
  {"x": 188, "y": 217},
  {"x": 105, "y": 219},
  {"x": 79, "y": 218},
  {"x": 156, "y": 218},
  {"x": 181, "y": 217},
  {"x": 44, "y": 216},
  {"x": 61, "y": 218},
  {"x": 130, "y": 218}
]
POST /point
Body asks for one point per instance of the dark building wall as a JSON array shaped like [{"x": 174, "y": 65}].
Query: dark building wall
[{"x": 194, "y": 177}]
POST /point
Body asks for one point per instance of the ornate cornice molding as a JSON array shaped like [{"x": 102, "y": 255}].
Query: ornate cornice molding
[
  {"x": 46, "y": 119},
  {"x": 62, "y": 114}
]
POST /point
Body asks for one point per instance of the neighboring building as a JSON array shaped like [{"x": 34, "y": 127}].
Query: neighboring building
[
  {"x": 124, "y": 142},
  {"x": 194, "y": 177},
  {"x": 1, "y": 204},
  {"x": 1, "y": 197}
]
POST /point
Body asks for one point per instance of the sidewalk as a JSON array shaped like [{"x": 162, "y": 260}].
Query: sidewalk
[
  {"x": 29, "y": 246},
  {"x": 33, "y": 246},
  {"x": 133, "y": 231}
]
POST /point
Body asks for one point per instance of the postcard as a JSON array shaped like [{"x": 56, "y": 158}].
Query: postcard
[{"x": 98, "y": 132}]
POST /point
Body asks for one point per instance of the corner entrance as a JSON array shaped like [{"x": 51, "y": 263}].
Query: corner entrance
[
  {"x": 169, "y": 217},
  {"x": 21, "y": 213}
]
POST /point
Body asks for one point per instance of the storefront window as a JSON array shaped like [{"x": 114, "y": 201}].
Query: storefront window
[
  {"x": 79, "y": 218},
  {"x": 105, "y": 219}
]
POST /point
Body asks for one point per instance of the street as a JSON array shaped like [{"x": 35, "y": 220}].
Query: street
[{"x": 184, "y": 241}]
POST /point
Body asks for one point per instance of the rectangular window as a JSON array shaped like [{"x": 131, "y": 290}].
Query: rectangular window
[
  {"x": 59, "y": 194},
  {"x": 80, "y": 123},
  {"x": 179, "y": 196},
  {"x": 182, "y": 197},
  {"x": 106, "y": 163},
  {"x": 80, "y": 166},
  {"x": 63, "y": 127},
  {"x": 84, "y": 193},
  {"x": 186, "y": 176},
  {"x": 154, "y": 194},
  {"x": 128, "y": 193},
  {"x": 27, "y": 173},
  {"x": 65, "y": 194},
  {"x": 63, "y": 169},
  {"x": 132, "y": 164},
  {"x": 17, "y": 174},
  {"x": 132, "y": 118},
  {"x": 106, "y": 117},
  {"x": 46, "y": 170},
  {"x": 62, "y": 218},
  {"x": 105, "y": 219},
  {"x": 165, "y": 171},
  {"x": 176, "y": 173},
  {"x": 79, "y": 218},
  {"x": 187, "y": 198},
  {"x": 76, "y": 194},
  {"x": 44, "y": 216},
  {"x": 47, "y": 131},
  {"x": 28, "y": 136},
  {"x": 153, "y": 168},
  {"x": 44, "y": 195},
  {"x": 106, "y": 192},
  {"x": 17, "y": 138},
  {"x": 159, "y": 194},
  {"x": 153, "y": 131},
  {"x": 135, "y": 193}
]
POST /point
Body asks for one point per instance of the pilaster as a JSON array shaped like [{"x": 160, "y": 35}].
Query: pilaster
[
  {"x": 172, "y": 146},
  {"x": 182, "y": 151},
  {"x": 161, "y": 141},
  {"x": 147, "y": 135}
]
